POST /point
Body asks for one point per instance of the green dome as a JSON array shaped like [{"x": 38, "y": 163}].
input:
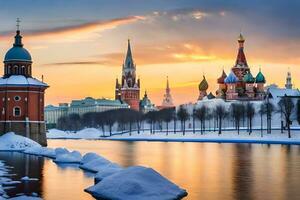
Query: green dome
[
  {"x": 260, "y": 78},
  {"x": 203, "y": 85},
  {"x": 248, "y": 78}
]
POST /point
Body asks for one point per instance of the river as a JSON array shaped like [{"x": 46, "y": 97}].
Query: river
[{"x": 207, "y": 171}]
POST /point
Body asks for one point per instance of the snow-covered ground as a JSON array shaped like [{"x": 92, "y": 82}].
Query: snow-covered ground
[
  {"x": 13, "y": 142},
  {"x": 134, "y": 182},
  {"x": 229, "y": 136}
]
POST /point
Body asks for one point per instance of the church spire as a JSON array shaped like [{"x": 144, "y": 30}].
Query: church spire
[
  {"x": 18, "y": 37},
  {"x": 168, "y": 87},
  {"x": 129, "y": 60},
  {"x": 288, "y": 84},
  {"x": 241, "y": 58}
]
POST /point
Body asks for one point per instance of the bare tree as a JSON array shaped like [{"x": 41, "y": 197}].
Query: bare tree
[
  {"x": 298, "y": 111},
  {"x": 237, "y": 114},
  {"x": 250, "y": 112},
  {"x": 286, "y": 106},
  {"x": 200, "y": 114},
  {"x": 220, "y": 113},
  {"x": 167, "y": 116},
  {"x": 268, "y": 109},
  {"x": 183, "y": 116}
]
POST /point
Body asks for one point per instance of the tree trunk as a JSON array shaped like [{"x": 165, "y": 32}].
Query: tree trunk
[
  {"x": 183, "y": 127},
  {"x": 289, "y": 128},
  {"x": 261, "y": 125},
  {"x": 250, "y": 124},
  {"x": 220, "y": 126},
  {"x": 174, "y": 126},
  {"x": 194, "y": 125},
  {"x": 129, "y": 128},
  {"x": 167, "y": 128}
]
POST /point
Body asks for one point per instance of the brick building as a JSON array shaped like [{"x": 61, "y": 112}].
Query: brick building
[
  {"x": 129, "y": 88},
  {"x": 21, "y": 95}
]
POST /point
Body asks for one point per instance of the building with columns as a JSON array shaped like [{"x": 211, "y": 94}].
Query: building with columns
[
  {"x": 22, "y": 95},
  {"x": 128, "y": 90}
]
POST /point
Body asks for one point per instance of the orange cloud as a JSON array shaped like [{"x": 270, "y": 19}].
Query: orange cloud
[{"x": 69, "y": 31}]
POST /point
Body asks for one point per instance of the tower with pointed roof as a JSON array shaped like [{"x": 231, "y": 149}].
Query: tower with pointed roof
[
  {"x": 168, "y": 100},
  {"x": 129, "y": 88},
  {"x": 22, "y": 105},
  {"x": 288, "y": 84},
  {"x": 241, "y": 66}
]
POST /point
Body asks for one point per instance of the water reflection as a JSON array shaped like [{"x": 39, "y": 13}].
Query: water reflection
[
  {"x": 24, "y": 165},
  {"x": 207, "y": 170},
  {"x": 210, "y": 170}
]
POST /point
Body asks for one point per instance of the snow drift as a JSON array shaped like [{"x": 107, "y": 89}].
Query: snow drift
[
  {"x": 12, "y": 142},
  {"x": 136, "y": 183}
]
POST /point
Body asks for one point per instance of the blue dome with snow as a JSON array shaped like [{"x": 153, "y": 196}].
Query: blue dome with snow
[
  {"x": 17, "y": 52},
  {"x": 231, "y": 78}
]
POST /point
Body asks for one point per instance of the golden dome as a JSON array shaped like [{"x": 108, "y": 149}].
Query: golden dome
[{"x": 203, "y": 85}]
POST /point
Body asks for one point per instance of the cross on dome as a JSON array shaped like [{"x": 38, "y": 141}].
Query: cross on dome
[{"x": 18, "y": 24}]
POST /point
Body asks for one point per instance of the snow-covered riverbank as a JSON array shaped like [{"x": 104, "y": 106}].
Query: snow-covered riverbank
[
  {"x": 138, "y": 182},
  {"x": 228, "y": 136}
]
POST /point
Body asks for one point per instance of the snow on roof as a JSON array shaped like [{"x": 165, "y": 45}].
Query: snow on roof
[
  {"x": 280, "y": 92},
  {"x": 20, "y": 80}
]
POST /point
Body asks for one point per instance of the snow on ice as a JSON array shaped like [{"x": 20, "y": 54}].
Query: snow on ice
[
  {"x": 143, "y": 183},
  {"x": 136, "y": 183},
  {"x": 12, "y": 142}
]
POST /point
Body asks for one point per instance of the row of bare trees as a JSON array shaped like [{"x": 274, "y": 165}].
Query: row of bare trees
[{"x": 238, "y": 113}]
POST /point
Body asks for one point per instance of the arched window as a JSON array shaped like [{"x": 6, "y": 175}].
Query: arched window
[
  {"x": 15, "y": 70},
  {"x": 17, "y": 111},
  {"x": 23, "y": 70},
  {"x": 8, "y": 69}
]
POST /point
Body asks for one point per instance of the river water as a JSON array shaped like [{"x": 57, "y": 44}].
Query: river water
[{"x": 207, "y": 171}]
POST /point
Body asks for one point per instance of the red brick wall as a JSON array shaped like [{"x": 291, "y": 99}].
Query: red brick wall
[{"x": 31, "y": 103}]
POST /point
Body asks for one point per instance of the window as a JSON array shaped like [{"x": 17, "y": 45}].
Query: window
[
  {"x": 17, "y": 111},
  {"x": 17, "y": 98}
]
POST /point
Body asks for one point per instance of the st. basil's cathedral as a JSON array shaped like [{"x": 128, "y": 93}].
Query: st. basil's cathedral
[{"x": 240, "y": 83}]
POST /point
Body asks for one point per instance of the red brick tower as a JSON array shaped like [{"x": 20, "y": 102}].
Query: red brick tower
[
  {"x": 129, "y": 89},
  {"x": 22, "y": 96}
]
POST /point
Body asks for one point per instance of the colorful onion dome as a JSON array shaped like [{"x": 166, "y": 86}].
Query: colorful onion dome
[
  {"x": 231, "y": 78},
  {"x": 260, "y": 78},
  {"x": 17, "y": 52},
  {"x": 222, "y": 78},
  {"x": 248, "y": 78},
  {"x": 203, "y": 85}
]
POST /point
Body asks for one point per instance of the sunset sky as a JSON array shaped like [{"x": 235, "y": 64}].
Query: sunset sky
[{"x": 79, "y": 45}]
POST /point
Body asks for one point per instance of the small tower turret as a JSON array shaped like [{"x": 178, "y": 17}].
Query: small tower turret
[{"x": 288, "y": 84}]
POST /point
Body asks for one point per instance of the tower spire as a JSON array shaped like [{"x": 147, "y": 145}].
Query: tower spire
[
  {"x": 18, "y": 37},
  {"x": 129, "y": 60},
  {"x": 241, "y": 58},
  {"x": 288, "y": 84}
]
